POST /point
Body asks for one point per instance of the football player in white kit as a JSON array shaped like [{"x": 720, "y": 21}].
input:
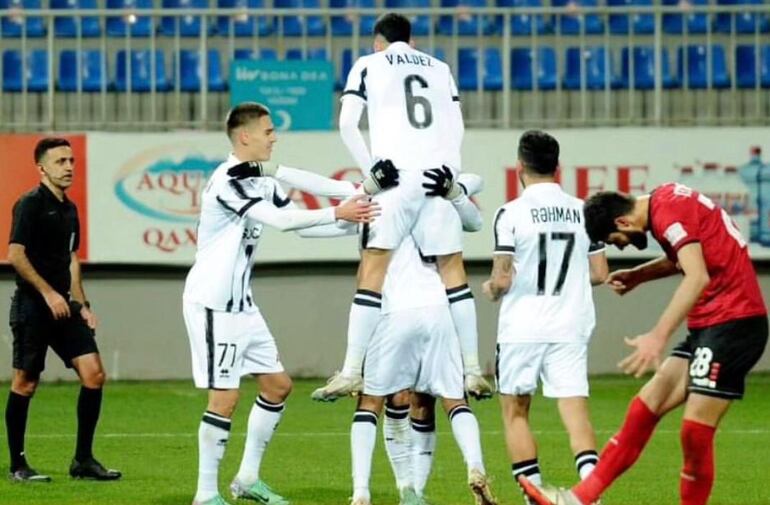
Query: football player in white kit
[
  {"x": 543, "y": 269},
  {"x": 228, "y": 335},
  {"x": 416, "y": 126}
]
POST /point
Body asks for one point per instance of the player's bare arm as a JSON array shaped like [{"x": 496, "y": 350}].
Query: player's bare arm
[
  {"x": 649, "y": 346},
  {"x": 623, "y": 281},
  {"x": 78, "y": 293},
  {"x": 598, "y": 268},
  {"x": 501, "y": 279},
  {"x": 17, "y": 257}
]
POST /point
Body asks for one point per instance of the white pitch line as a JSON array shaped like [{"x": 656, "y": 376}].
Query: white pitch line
[{"x": 305, "y": 434}]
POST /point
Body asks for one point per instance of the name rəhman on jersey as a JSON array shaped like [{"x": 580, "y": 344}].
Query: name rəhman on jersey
[{"x": 552, "y": 214}]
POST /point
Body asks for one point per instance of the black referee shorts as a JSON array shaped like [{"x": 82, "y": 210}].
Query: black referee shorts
[
  {"x": 34, "y": 330},
  {"x": 721, "y": 356}
]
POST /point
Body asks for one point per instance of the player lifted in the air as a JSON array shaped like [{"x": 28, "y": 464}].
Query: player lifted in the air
[
  {"x": 543, "y": 269},
  {"x": 415, "y": 125}
]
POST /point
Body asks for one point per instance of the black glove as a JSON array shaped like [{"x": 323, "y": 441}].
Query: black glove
[
  {"x": 441, "y": 181},
  {"x": 246, "y": 169},
  {"x": 384, "y": 175}
]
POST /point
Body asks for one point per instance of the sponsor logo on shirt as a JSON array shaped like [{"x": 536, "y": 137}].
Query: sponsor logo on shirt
[{"x": 675, "y": 233}]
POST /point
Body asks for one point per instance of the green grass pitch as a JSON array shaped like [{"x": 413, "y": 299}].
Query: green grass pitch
[{"x": 148, "y": 430}]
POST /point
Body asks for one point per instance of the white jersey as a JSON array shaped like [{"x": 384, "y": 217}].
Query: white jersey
[
  {"x": 550, "y": 299},
  {"x": 410, "y": 96},
  {"x": 411, "y": 281},
  {"x": 228, "y": 233}
]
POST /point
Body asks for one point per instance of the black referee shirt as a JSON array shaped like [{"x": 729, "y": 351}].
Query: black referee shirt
[{"x": 50, "y": 231}]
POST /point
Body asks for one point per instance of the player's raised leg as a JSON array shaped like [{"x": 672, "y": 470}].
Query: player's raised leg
[{"x": 264, "y": 417}]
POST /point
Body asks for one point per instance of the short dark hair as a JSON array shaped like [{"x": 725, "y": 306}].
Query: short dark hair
[
  {"x": 48, "y": 143},
  {"x": 393, "y": 27},
  {"x": 539, "y": 152},
  {"x": 602, "y": 209},
  {"x": 244, "y": 113}
]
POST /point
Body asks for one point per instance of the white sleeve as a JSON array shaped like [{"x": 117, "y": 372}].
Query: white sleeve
[
  {"x": 470, "y": 215},
  {"x": 329, "y": 231},
  {"x": 319, "y": 185},
  {"x": 289, "y": 219},
  {"x": 504, "y": 232},
  {"x": 457, "y": 126},
  {"x": 471, "y": 183},
  {"x": 350, "y": 117}
]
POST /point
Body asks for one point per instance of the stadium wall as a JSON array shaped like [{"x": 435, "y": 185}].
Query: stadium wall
[{"x": 138, "y": 197}]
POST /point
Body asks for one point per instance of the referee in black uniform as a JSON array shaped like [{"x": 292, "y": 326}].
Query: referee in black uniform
[{"x": 50, "y": 308}]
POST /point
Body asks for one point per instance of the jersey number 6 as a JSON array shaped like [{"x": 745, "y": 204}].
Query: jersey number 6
[{"x": 413, "y": 101}]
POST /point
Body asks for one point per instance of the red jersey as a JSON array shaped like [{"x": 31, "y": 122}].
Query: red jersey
[{"x": 678, "y": 216}]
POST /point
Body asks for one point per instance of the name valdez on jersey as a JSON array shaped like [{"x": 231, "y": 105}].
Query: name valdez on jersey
[{"x": 409, "y": 59}]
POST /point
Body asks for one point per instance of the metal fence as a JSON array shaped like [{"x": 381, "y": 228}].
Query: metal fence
[{"x": 548, "y": 66}]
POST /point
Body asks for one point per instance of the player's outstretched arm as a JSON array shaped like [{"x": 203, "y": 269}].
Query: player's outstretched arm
[
  {"x": 623, "y": 281},
  {"x": 315, "y": 184},
  {"x": 355, "y": 210},
  {"x": 649, "y": 346}
]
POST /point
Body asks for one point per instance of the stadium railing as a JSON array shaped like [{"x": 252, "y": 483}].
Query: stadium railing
[{"x": 135, "y": 66}]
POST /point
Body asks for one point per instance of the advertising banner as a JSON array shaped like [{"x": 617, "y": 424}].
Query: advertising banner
[
  {"x": 298, "y": 93},
  {"x": 144, "y": 194},
  {"x": 20, "y": 175}
]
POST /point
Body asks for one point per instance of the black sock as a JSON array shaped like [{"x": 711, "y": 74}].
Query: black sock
[
  {"x": 16, "y": 425},
  {"x": 89, "y": 406}
]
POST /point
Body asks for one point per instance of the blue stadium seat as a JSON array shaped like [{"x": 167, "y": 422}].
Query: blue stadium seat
[
  {"x": 68, "y": 26},
  {"x": 420, "y": 24},
  {"x": 466, "y": 22},
  {"x": 572, "y": 24},
  {"x": 12, "y": 26},
  {"x": 314, "y": 53},
  {"x": 135, "y": 25},
  {"x": 468, "y": 69},
  {"x": 346, "y": 63},
  {"x": 244, "y": 24},
  {"x": 296, "y": 26},
  {"x": 93, "y": 69},
  {"x": 639, "y": 24},
  {"x": 191, "y": 70},
  {"x": 35, "y": 68},
  {"x": 746, "y": 66},
  {"x": 688, "y": 22},
  {"x": 141, "y": 71},
  {"x": 644, "y": 69},
  {"x": 524, "y": 24},
  {"x": 599, "y": 69},
  {"x": 521, "y": 68},
  {"x": 696, "y": 75},
  {"x": 187, "y": 25},
  {"x": 745, "y": 22},
  {"x": 343, "y": 24},
  {"x": 251, "y": 54}
]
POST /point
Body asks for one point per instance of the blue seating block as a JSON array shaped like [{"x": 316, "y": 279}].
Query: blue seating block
[
  {"x": 92, "y": 70},
  {"x": 68, "y": 26},
  {"x": 522, "y": 66},
  {"x": 13, "y": 26},
  {"x": 135, "y": 25},
  {"x": 141, "y": 62}
]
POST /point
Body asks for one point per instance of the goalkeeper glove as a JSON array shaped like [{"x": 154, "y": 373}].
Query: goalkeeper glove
[
  {"x": 441, "y": 183},
  {"x": 382, "y": 176}
]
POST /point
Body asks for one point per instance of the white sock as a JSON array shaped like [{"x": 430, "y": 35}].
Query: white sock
[
  {"x": 530, "y": 469},
  {"x": 363, "y": 318},
  {"x": 585, "y": 462},
  {"x": 263, "y": 420},
  {"x": 463, "y": 310},
  {"x": 423, "y": 447},
  {"x": 398, "y": 444},
  {"x": 465, "y": 429},
  {"x": 363, "y": 435},
  {"x": 213, "y": 433}
]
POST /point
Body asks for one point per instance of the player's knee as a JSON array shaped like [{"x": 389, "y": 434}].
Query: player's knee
[
  {"x": 24, "y": 387},
  {"x": 282, "y": 387},
  {"x": 94, "y": 379},
  {"x": 518, "y": 406}
]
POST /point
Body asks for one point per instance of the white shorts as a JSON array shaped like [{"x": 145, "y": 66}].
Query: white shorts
[
  {"x": 228, "y": 345},
  {"x": 433, "y": 222},
  {"x": 563, "y": 368},
  {"x": 415, "y": 349}
]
